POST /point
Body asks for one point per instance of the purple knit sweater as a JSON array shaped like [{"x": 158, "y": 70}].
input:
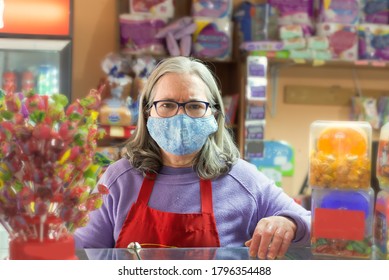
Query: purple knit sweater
[{"x": 240, "y": 199}]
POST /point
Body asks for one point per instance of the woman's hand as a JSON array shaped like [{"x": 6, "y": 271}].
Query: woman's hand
[{"x": 272, "y": 237}]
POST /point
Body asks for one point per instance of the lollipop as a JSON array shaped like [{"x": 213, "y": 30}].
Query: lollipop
[{"x": 47, "y": 165}]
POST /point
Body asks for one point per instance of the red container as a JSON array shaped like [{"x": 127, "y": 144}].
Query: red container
[
  {"x": 49, "y": 243},
  {"x": 48, "y": 249}
]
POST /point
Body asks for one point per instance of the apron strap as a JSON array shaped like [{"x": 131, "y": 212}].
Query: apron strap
[
  {"x": 206, "y": 196},
  {"x": 146, "y": 188},
  {"x": 205, "y": 192}
]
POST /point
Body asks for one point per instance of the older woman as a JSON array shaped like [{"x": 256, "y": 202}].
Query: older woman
[{"x": 182, "y": 183}]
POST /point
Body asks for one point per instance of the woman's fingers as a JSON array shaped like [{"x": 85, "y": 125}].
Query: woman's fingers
[{"x": 271, "y": 237}]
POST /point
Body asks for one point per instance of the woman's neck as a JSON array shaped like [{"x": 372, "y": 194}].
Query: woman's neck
[{"x": 177, "y": 161}]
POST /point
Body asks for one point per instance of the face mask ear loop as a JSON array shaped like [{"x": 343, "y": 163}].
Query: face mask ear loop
[
  {"x": 216, "y": 111},
  {"x": 147, "y": 112}
]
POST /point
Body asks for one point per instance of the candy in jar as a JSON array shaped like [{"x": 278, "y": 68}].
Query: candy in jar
[{"x": 340, "y": 155}]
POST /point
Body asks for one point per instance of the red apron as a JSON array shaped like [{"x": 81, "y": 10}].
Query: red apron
[{"x": 153, "y": 228}]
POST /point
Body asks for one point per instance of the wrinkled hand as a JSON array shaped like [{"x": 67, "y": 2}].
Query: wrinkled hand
[{"x": 272, "y": 237}]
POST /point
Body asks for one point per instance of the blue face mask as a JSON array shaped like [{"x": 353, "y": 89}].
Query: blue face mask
[{"x": 181, "y": 134}]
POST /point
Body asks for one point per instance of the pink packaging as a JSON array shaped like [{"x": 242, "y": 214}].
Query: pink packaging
[
  {"x": 175, "y": 26},
  {"x": 342, "y": 38},
  {"x": 295, "y": 12},
  {"x": 137, "y": 34}
]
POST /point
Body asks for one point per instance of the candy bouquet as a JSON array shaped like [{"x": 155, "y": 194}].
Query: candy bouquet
[{"x": 48, "y": 170}]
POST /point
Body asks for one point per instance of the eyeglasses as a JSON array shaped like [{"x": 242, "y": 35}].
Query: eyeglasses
[{"x": 194, "y": 109}]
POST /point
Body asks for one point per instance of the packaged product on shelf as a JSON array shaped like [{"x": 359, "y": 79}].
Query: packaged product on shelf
[
  {"x": 212, "y": 8},
  {"x": 301, "y": 54},
  {"x": 161, "y": 8},
  {"x": 318, "y": 43},
  {"x": 295, "y": 12},
  {"x": 114, "y": 114},
  {"x": 141, "y": 66},
  {"x": 383, "y": 110},
  {"x": 342, "y": 38},
  {"x": 114, "y": 109},
  {"x": 340, "y": 11},
  {"x": 185, "y": 45},
  {"x": 373, "y": 41},
  {"x": 256, "y": 22},
  {"x": 174, "y": 27},
  {"x": 256, "y": 66},
  {"x": 213, "y": 39},
  {"x": 256, "y": 88},
  {"x": 272, "y": 46},
  {"x": 253, "y": 149},
  {"x": 254, "y": 129},
  {"x": 294, "y": 43},
  {"x": 255, "y": 110},
  {"x": 178, "y": 36},
  {"x": 322, "y": 54},
  {"x": 137, "y": 34},
  {"x": 291, "y": 31},
  {"x": 375, "y": 11},
  {"x": 365, "y": 109}
]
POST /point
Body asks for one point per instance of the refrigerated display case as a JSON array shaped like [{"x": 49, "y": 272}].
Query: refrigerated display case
[
  {"x": 39, "y": 64},
  {"x": 36, "y": 46}
]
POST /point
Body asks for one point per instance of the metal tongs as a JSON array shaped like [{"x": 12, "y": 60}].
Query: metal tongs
[{"x": 134, "y": 248}]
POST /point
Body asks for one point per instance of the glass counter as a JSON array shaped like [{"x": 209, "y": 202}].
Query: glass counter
[{"x": 224, "y": 253}]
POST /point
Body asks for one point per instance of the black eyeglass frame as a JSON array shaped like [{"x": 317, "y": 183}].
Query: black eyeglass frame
[{"x": 182, "y": 104}]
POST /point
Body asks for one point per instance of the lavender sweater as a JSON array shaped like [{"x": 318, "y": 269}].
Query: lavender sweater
[{"x": 240, "y": 199}]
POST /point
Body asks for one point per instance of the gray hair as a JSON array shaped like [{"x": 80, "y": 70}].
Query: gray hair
[{"x": 219, "y": 152}]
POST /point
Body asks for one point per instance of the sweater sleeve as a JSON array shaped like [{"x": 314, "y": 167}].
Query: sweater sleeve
[{"x": 280, "y": 204}]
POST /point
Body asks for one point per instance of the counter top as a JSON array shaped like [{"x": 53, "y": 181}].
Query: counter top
[{"x": 223, "y": 253}]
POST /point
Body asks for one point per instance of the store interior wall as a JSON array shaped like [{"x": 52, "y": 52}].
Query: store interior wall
[{"x": 95, "y": 35}]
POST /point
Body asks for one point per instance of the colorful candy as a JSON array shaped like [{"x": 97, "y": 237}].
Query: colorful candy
[{"x": 47, "y": 164}]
